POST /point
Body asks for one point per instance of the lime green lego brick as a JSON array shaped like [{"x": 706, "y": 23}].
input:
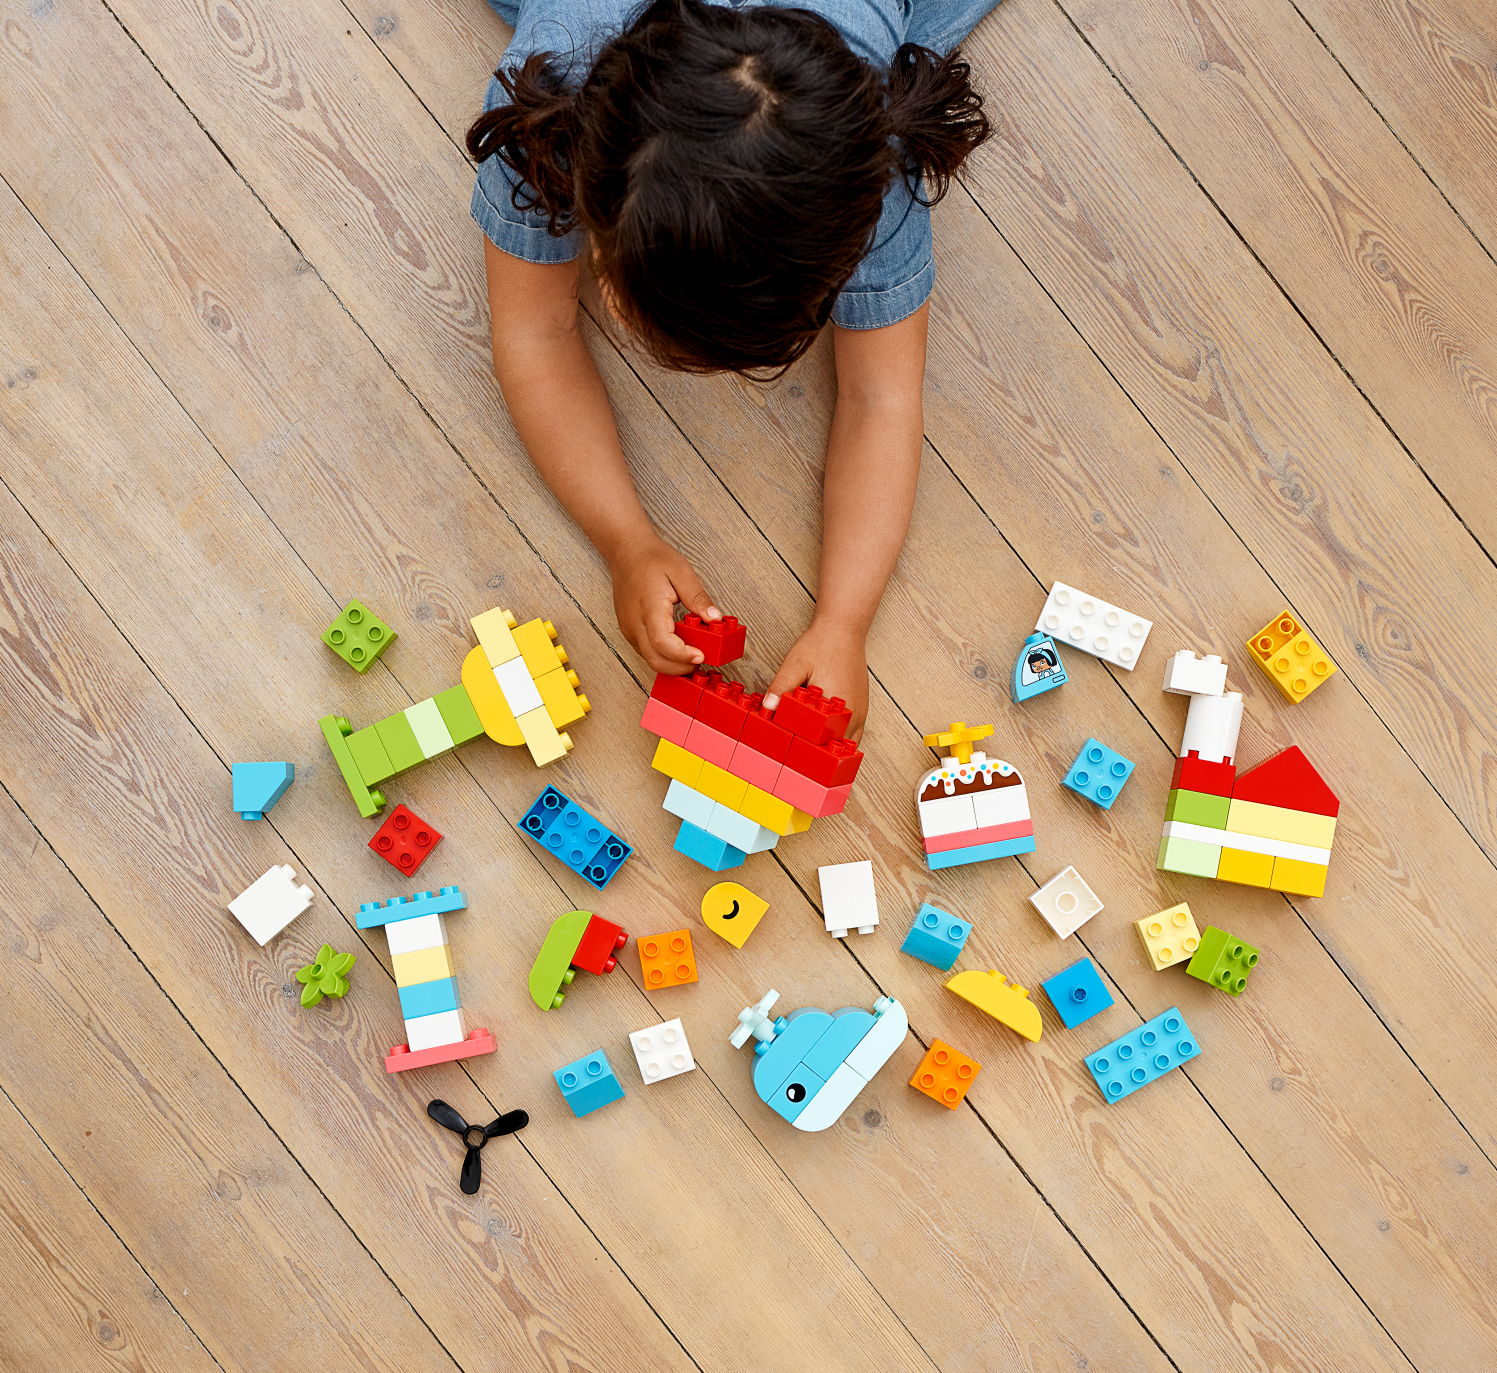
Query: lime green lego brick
[
  {"x": 1188, "y": 855},
  {"x": 358, "y": 636},
  {"x": 458, "y": 714},
  {"x": 1223, "y": 960},
  {"x": 430, "y": 729},
  {"x": 399, "y": 739},
  {"x": 335, "y": 730},
  {"x": 1198, "y": 808},
  {"x": 369, "y": 756}
]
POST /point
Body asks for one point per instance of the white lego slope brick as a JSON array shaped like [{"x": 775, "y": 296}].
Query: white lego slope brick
[
  {"x": 1246, "y": 843},
  {"x": 270, "y": 903},
  {"x": 832, "y": 1098},
  {"x": 430, "y": 1031},
  {"x": 1000, "y": 805},
  {"x": 1094, "y": 626},
  {"x": 946, "y": 815},
  {"x": 877, "y": 1047},
  {"x": 662, "y": 1051},
  {"x": 1066, "y": 902},
  {"x": 519, "y": 688},
  {"x": 426, "y": 722},
  {"x": 847, "y": 898},
  {"x": 1211, "y": 727},
  {"x": 688, "y": 804},
  {"x": 420, "y": 932},
  {"x": 1187, "y": 675}
]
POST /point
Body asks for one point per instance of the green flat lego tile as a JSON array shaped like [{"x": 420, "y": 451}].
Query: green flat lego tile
[
  {"x": 370, "y": 803},
  {"x": 1188, "y": 855},
  {"x": 1197, "y": 808},
  {"x": 369, "y": 756},
  {"x": 1223, "y": 960},
  {"x": 430, "y": 729},
  {"x": 399, "y": 739},
  {"x": 358, "y": 636},
  {"x": 458, "y": 713}
]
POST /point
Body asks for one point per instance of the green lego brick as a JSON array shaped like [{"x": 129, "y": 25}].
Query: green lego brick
[
  {"x": 1223, "y": 960},
  {"x": 1197, "y": 808},
  {"x": 369, "y": 756},
  {"x": 399, "y": 739},
  {"x": 457, "y": 710},
  {"x": 1188, "y": 855},
  {"x": 429, "y": 727},
  {"x": 335, "y": 730},
  {"x": 358, "y": 636}
]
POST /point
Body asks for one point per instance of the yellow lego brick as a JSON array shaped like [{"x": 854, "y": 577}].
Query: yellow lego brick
[
  {"x": 425, "y": 965},
  {"x": 1294, "y": 662},
  {"x": 492, "y": 630},
  {"x": 1247, "y": 869},
  {"x": 1170, "y": 936},
  {"x": 489, "y": 705},
  {"x": 1276, "y": 822},
  {"x": 721, "y": 786},
  {"x": 541, "y": 736},
  {"x": 563, "y": 703},
  {"x": 541, "y": 655},
  {"x": 771, "y": 812},
  {"x": 1300, "y": 879},
  {"x": 1004, "y": 1001},
  {"x": 676, "y": 763}
]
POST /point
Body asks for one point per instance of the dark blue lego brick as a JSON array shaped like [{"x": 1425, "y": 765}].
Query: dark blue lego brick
[
  {"x": 935, "y": 937},
  {"x": 1098, "y": 773},
  {"x": 583, "y": 843},
  {"x": 1135, "y": 1059},
  {"x": 1077, "y": 993},
  {"x": 588, "y": 1083}
]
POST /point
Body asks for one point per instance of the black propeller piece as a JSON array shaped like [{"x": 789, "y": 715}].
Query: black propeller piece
[{"x": 475, "y": 1137}]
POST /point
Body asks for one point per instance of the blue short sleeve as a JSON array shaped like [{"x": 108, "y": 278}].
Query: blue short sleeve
[{"x": 899, "y": 272}]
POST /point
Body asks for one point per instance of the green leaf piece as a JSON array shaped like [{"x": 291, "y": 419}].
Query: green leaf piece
[{"x": 327, "y": 976}]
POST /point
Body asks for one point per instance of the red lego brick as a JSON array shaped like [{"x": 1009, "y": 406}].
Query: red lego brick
[
  {"x": 479, "y": 1041},
  {"x": 405, "y": 839},
  {"x": 724, "y": 707},
  {"x": 813, "y": 798},
  {"x": 762, "y": 734},
  {"x": 683, "y": 693},
  {"x": 754, "y": 767},
  {"x": 596, "y": 948},
  {"x": 833, "y": 765},
  {"x": 1288, "y": 780},
  {"x": 666, "y": 721},
  {"x": 711, "y": 744},
  {"x": 810, "y": 715},
  {"x": 1191, "y": 774},
  {"x": 721, "y": 641}
]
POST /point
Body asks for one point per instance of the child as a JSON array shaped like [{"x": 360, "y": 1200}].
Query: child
[{"x": 743, "y": 175}]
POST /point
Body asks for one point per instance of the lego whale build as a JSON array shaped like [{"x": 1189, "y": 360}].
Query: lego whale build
[
  {"x": 971, "y": 807},
  {"x": 810, "y": 1065}
]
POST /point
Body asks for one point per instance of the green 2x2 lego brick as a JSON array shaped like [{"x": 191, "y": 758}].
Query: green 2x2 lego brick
[
  {"x": 358, "y": 636},
  {"x": 1223, "y": 960}
]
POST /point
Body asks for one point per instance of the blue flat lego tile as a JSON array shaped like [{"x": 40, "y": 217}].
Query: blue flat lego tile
[
  {"x": 582, "y": 842},
  {"x": 1037, "y": 669},
  {"x": 588, "y": 1083},
  {"x": 1098, "y": 774},
  {"x": 429, "y": 998},
  {"x": 935, "y": 937},
  {"x": 716, "y": 855},
  {"x": 258, "y": 786},
  {"x": 1077, "y": 993},
  {"x": 374, "y": 913},
  {"x": 1135, "y": 1059},
  {"x": 979, "y": 853}
]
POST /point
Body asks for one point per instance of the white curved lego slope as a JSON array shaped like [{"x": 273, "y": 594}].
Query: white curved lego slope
[{"x": 855, "y": 1072}]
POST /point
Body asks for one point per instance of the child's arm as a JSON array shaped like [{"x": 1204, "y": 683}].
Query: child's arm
[
  {"x": 872, "y": 467},
  {"x": 560, "y": 409}
]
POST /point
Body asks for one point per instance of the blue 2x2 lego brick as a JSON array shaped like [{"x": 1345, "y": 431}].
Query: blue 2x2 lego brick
[
  {"x": 584, "y": 844},
  {"x": 1098, "y": 774},
  {"x": 935, "y": 937}
]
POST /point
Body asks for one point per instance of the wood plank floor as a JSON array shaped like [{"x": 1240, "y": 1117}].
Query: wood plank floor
[{"x": 1213, "y": 333}]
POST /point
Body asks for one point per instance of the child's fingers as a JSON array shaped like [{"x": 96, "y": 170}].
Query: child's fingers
[
  {"x": 692, "y": 594},
  {"x": 665, "y": 651},
  {"x": 794, "y": 672}
]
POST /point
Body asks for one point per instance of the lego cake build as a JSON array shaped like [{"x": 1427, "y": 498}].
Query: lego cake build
[{"x": 971, "y": 807}]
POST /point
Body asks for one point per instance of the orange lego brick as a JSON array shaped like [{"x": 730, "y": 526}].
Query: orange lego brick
[
  {"x": 945, "y": 1074},
  {"x": 666, "y": 960}
]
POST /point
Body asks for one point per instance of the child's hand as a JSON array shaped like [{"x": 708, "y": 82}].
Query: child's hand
[
  {"x": 833, "y": 658},
  {"x": 649, "y": 578}
]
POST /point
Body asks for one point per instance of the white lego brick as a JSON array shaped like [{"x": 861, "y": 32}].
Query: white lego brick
[
  {"x": 1211, "y": 727},
  {"x": 946, "y": 815},
  {"x": 1094, "y": 626},
  {"x": 741, "y": 832},
  {"x": 1066, "y": 902},
  {"x": 520, "y": 691},
  {"x": 430, "y": 1031},
  {"x": 688, "y": 804},
  {"x": 847, "y": 898},
  {"x": 832, "y": 1098},
  {"x": 1246, "y": 843},
  {"x": 877, "y": 1047},
  {"x": 1187, "y": 675},
  {"x": 426, "y": 722},
  {"x": 420, "y": 932},
  {"x": 270, "y": 903},
  {"x": 662, "y": 1051},
  {"x": 1000, "y": 806}
]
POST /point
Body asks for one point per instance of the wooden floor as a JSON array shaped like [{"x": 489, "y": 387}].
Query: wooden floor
[{"x": 1215, "y": 331}]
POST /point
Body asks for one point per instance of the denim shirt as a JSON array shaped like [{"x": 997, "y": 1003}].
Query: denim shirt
[{"x": 896, "y": 276}]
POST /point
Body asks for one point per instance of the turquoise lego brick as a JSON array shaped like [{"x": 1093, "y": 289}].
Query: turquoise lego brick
[
  {"x": 1098, "y": 774},
  {"x": 375, "y": 913},
  {"x": 716, "y": 855},
  {"x": 979, "y": 853},
  {"x": 792, "y": 1096},
  {"x": 429, "y": 998},
  {"x": 1037, "y": 669},
  {"x": 1077, "y": 993},
  {"x": 848, "y": 1029},
  {"x": 1135, "y": 1059},
  {"x": 258, "y": 786},
  {"x": 935, "y": 937},
  {"x": 588, "y": 1083}
]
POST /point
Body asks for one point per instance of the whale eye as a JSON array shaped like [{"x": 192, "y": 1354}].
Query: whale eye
[{"x": 795, "y": 1092}]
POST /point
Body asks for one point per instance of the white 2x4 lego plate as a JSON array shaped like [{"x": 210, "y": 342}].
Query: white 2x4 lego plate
[{"x": 1073, "y": 618}]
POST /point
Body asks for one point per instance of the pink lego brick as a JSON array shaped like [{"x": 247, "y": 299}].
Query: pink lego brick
[
  {"x": 666, "y": 721},
  {"x": 478, "y": 1042},
  {"x": 708, "y": 743},
  {"x": 754, "y": 767},
  {"x": 988, "y": 834}
]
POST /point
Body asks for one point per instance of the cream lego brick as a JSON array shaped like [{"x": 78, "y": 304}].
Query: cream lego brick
[
  {"x": 545, "y": 741},
  {"x": 662, "y": 1051},
  {"x": 1170, "y": 936},
  {"x": 493, "y": 629},
  {"x": 520, "y": 691},
  {"x": 270, "y": 903},
  {"x": 431, "y": 1031},
  {"x": 1094, "y": 626},
  {"x": 424, "y": 965},
  {"x": 946, "y": 815},
  {"x": 1066, "y": 902},
  {"x": 1246, "y": 843},
  {"x": 847, "y": 898},
  {"x": 1187, "y": 675},
  {"x": 426, "y": 722},
  {"x": 1211, "y": 727},
  {"x": 1278, "y": 822},
  {"x": 420, "y": 932}
]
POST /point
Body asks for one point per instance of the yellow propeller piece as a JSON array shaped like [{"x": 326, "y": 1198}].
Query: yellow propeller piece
[{"x": 958, "y": 740}]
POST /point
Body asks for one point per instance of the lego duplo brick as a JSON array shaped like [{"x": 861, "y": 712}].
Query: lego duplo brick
[
  {"x": 588, "y": 1083},
  {"x": 833, "y": 764},
  {"x": 763, "y": 734},
  {"x": 979, "y": 853},
  {"x": 811, "y": 797},
  {"x": 1276, "y": 822},
  {"x": 258, "y": 786},
  {"x": 944, "y": 1074},
  {"x": 583, "y": 843},
  {"x": 518, "y": 686},
  {"x": 435, "y": 1030},
  {"x": 848, "y": 900},
  {"x": 1198, "y": 808},
  {"x": 546, "y": 743},
  {"x": 971, "y": 810},
  {"x": 724, "y": 707},
  {"x": 422, "y": 965},
  {"x": 1077, "y": 993},
  {"x": 478, "y": 1041},
  {"x": 494, "y": 630},
  {"x": 738, "y": 830},
  {"x": 1294, "y": 662},
  {"x": 710, "y": 744},
  {"x": 1143, "y": 1055},
  {"x": 714, "y": 854},
  {"x": 430, "y": 729},
  {"x": 402, "y": 908},
  {"x": 719, "y": 641},
  {"x": 1066, "y": 902},
  {"x": 405, "y": 839},
  {"x": 1289, "y": 781},
  {"x": 1212, "y": 724},
  {"x": 1037, "y": 669},
  {"x": 1170, "y": 936},
  {"x": 601, "y": 940},
  {"x": 757, "y": 769},
  {"x": 1187, "y": 675},
  {"x": 1192, "y": 773},
  {"x": 335, "y": 732},
  {"x": 536, "y": 641},
  {"x": 720, "y": 785},
  {"x": 732, "y": 911},
  {"x": 270, "y": 903},
  {"x": 1188, "y": 856},
  {"x": 416, "y": 935},
  {"x": 399, "y": 742},
  {"x": 666, "y": 960},
  {"x": 429, "y": 998},
  {"x": 683, "y": 693},
  {"x": 992, "y": 993},
  {"x": 1297, "y": 878},
  {"x": 458, "y": 714},
  {"x": 367, "y": 750},
  {"x": 809, "y": 714},
  {"x": 936, "y": 937},
  {"x": 1094, "y": 626},
  {"x": 1223, "y": 960},
  {"x": 666, "y": 721},
  {"x": 358, "y": 636},
  {"x": 773, "y": 813},
  {"x": 1243, "y": 868},
  {"x": 1247, "y": 843},
  {"x": 686, "y": 803},
  {"x": 662, "y": 1051},
  {"x": 675, "y": 762},
  {"x": 564, "y": 703},
  {"x": 1098, "y": 774}
]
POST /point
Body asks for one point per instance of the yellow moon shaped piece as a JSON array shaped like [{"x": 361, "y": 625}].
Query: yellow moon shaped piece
[
  {"x": 991, "y": 992},
  {"x": 732, "y": 911}
]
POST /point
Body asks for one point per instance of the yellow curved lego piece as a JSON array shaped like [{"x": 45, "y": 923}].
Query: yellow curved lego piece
[
  {"x": 991, "y": 992},
  {"x": 488, "y": 700}
]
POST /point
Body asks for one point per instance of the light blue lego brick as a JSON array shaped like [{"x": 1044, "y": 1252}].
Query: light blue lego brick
[
  {"x": 935, "y": 937},
  {"x": 1135, "y": 1059},
  {"x": 1044, "y": 673},
  {"x": 979, "y": 853},
  {"x": 1077, "y": 993},
  {"x": 258, "y": 786},
  {"x": 686, "y": 803},
  {"x": 741, "y": 832},
  {"x": 375, "y": 913},
  {"x": 716, "y": 855},
  {"x": 581, "y": 841},
  {"x": 830, "y": 1051},
  {"x": 588, "y": 1083},
  {"x": 790, "y": 1098},
  {"x": 1098, "y": 774},
  {"x": 429, "y": 998}
]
